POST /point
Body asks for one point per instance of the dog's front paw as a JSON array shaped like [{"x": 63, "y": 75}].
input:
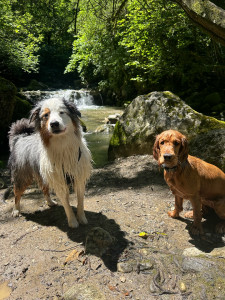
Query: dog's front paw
[
  {"x": 73, "y": 223},
  {"x": 196, "y": 229},
  {"x": 82, "y": 219},
  {"x": 15, "y": 213},
  {"x": 189, "y": 214},
  {"x": 173, "y": 213}
]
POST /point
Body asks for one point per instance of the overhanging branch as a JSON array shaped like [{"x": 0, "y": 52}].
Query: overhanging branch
[{"x": 207, "y": 15}]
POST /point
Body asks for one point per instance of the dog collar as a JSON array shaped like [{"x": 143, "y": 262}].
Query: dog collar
[
  {"x": 173, "y": 169},
  {"x": 79, "y": 155}
]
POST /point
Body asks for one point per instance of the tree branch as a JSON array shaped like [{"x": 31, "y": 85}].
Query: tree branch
[{"x": 207, "y": 15}]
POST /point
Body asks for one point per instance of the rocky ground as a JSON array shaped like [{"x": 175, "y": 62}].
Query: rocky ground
[{"x": 41, "y": 258}]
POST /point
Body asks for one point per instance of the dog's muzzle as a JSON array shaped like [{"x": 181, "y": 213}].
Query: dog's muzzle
[{"x": 55, "y": 127}]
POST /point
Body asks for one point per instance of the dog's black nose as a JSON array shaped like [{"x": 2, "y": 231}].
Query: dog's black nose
[
  {"x": 167, "y": 156},
  {"x": 54, "y": 125}
]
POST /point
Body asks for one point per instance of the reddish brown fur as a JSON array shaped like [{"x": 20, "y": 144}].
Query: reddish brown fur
[
  {"x": 190, "y": 178},
  {"x": 45, "y": 134},
  {"x": 19, "y": 192},
  {"x": 75, "y": 127}
]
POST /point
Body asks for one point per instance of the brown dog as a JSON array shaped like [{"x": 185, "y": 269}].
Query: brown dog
[{"x": 190, "y": 178}]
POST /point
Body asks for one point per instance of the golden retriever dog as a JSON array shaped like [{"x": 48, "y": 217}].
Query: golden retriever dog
[{"x": 190, "y": 178}]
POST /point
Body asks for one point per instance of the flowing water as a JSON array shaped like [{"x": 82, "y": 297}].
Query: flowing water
[{"x": 92, "y": 115}]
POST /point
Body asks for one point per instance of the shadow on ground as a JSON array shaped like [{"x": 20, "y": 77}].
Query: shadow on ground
[
  {"x": 209, "y": 240},
  {"x": 78, "y": 235},
  {"x": 118, "y": 178}
]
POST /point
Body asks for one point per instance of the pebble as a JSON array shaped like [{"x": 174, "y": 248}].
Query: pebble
[
  {"x": 124, "y": 267},
  {"x": 146, "y": 265},
  {"x": 182, "y": 287}
]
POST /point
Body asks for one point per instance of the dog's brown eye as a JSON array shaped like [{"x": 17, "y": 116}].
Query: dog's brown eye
[
  {"x": 176, "y": 143},
  {"x": 45, "y": 115},
  {"x": 61, "y": 112},
  {"x": 161, "y": 143}
]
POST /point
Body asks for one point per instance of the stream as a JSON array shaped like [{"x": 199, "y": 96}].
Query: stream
[{"x": 92, "y": 115}]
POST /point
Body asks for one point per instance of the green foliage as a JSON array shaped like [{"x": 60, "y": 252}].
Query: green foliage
[
  {"x": 28, "y": 28},
  {"x": 161, "y": 42},
  {"x": 136, "y": 46},
  {"x": 96, "y": 53},
  {"x": 19, "y": 39}
]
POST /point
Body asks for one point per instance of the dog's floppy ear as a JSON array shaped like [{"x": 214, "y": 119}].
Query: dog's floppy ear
[
  {"x": 72, "y": 109},
  {"x": 183, "y": 152},
  {"x": 156, "y": 148},
  {"x": 34, "y": 115}
]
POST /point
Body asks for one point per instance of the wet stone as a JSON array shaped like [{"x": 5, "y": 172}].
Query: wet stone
[{"x": 126, "y": 267}]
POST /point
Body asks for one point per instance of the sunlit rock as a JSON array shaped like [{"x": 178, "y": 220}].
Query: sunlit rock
[{"x": 149, "y": 115}]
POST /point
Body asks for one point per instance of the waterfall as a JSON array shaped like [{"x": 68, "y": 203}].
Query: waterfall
[{"x": 83, "y": 99}]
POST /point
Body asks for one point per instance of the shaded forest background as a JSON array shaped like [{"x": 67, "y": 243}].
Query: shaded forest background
[{"x": 121, "y": 48}]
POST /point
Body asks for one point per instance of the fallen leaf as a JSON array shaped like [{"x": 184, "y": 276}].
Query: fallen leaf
[
  {"x": 73, "y": 255},
  {"x": 161, "y": 233},
  {"x": 143, "y": 235}
]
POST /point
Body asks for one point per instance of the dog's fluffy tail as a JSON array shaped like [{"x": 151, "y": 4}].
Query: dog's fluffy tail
[{"x": 20, "y": 127}]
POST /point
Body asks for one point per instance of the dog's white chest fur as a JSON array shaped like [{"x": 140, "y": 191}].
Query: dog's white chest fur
[{"x": 61, "y": 158}]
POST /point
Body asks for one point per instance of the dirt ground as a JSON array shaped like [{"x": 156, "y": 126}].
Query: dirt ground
[{"x": 42, "y": 258}]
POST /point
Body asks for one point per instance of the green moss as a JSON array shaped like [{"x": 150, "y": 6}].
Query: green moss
[
  {"x": 170, "y": 95},
  {"x": 210, "y": 123},
  {"x": 119, "y": 136}
]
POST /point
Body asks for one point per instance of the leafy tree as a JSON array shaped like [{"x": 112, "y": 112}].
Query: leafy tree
[
  {"x": 36, "y": 33},
  {"x": 135, "y": 46},
  {"x": 19, "y": 39},
  {"x": 163, "y": 45},
  {"x": 96, "y": 52}
]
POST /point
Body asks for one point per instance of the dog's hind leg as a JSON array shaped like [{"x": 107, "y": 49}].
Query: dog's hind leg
[
  {"x": 80, "y": 204},
  {"x": 18, "y": 193}
]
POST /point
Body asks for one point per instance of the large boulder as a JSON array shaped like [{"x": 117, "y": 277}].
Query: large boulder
[
  {"x": 7, "y": 104},
  {"x": 210, "y": 146},
  {"x": 7, "y": 101},
  {"x": 149, "y": 115}
]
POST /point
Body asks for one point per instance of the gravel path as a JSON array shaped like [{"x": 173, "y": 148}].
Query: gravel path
[{"x": 41, "y": 258}]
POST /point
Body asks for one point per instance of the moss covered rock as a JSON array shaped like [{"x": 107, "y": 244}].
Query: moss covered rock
[
  {"x": 149, "y": 115},
  {"x": 21, "y": 110},
  {"x": 7, "y": 101}
]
